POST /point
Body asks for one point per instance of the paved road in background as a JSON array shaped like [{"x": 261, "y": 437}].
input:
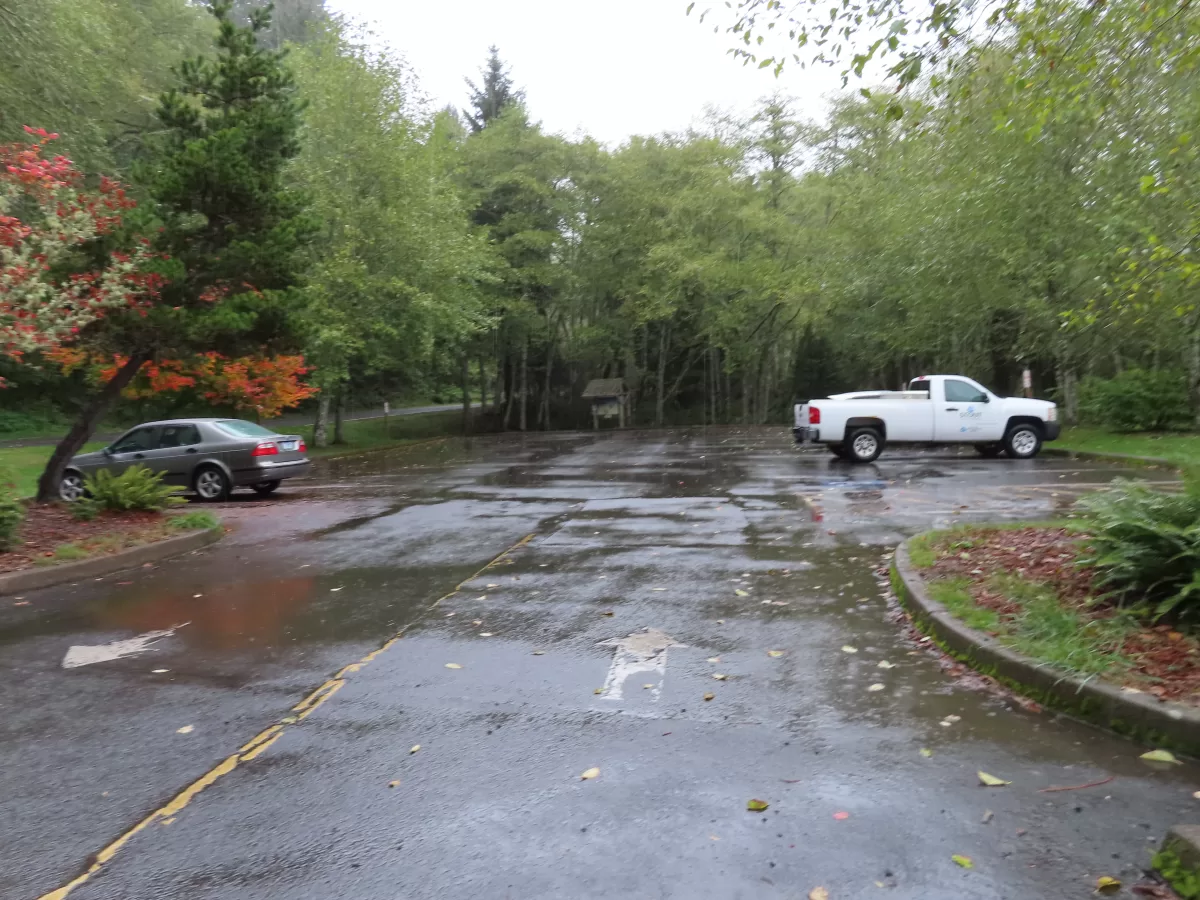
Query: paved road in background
[
  {"x": 727, "y": 544},
  {"x": 288, "y": 420}
]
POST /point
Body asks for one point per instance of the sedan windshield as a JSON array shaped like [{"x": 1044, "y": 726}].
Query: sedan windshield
[{"x": 242, "y": 428}]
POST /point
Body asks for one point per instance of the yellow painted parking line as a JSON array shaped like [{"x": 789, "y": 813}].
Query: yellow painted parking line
[{"x": 256, "y": 745}]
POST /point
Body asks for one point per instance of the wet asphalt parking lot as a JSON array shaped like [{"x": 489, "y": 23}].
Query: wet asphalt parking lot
[{"x": 263, "y": 748}]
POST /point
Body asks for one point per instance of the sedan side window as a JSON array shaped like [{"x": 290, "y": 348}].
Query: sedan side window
[
  {"x": 961, "y": 392},
  {"x": 178, "y": 436},
  {"x": 137, "y": 441}
]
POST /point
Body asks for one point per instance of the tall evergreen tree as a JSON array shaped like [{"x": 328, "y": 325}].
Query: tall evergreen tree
[
  {"x": 494, "y": 95},
  {"x": 232, "y": 231}
]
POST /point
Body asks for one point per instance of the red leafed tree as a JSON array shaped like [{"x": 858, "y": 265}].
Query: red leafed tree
[
  {"x": 262, "y": 385},
  {"x": 50, "y": 228}
]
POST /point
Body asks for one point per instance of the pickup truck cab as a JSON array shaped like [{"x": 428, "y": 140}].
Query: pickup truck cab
[{"x": 935, "y": 409}]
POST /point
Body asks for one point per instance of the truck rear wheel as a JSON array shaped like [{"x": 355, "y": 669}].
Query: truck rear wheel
[
  {"x": 1023, "y": 441},
  {"x": 863, "y": 445}
]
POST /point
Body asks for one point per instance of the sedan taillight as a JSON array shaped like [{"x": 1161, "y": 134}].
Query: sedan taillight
[
  {"x": 265, "y": 450},
  {"x": 301, "y": 446}
]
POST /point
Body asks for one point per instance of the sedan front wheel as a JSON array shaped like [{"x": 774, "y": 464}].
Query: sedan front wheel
[{"x": 71, "y": 487}]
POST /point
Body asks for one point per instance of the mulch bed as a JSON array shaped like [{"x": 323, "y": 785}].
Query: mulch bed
[
  {"x": 48, "y": 526},
  {"x": 1166, "y": 662}
]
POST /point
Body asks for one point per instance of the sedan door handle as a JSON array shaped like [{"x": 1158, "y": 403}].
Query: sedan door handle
[
  {"x": 951, "y": 409},
  {"x": 139, "y": 456},
  {"x": 191, "y": 449}
]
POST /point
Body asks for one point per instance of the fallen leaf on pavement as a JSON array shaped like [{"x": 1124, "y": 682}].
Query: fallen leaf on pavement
[
  {"x": 964, "y": 861},
  {"x": 647, "y": 687},
  {"x": 415, "y": 748},
  {"x": 884, "y": 664},
  {"x": 21, "y": 603},
  {"x": 720, "y": 621},
  {"x": 186, "y": 729},
  {"x": 453, "y": 666},
  {"x": 714, "y": 659},
  {"x": 1154, "y": 891},
  {"x": 991, "y": 780},
  {"x": 598, "y": 691},
  {"x": 709, "y": 695},
  {"x": 539, "y": 652},
  {"x": 1163, "y": 756},
  {"x": 720, "y": 676},
  {"x": 926, "y": 752},
  {"x": 334, "y": 590},
  {"x": 608, "y": 612},
  {"x": 493, "y": 585},
  {"x": 1196, "y": 795},
  {"x": 393, "y": 784},
  {"x": 485, "y": 634},
  {"x": 818, "y": 893},
  {"x": 987, "y": 816},
  {"x": 590, "y": 773},
  {"x": 841, "y": 816},
  {"x": 742, "y": 593},
  {"x": 875, "y": 687},
  {"x": 757, "y": 805},
  {"x": 846, "y": 648},
  {"x": 774, "y": 654},
  {"x": 1107, "y": 885}
]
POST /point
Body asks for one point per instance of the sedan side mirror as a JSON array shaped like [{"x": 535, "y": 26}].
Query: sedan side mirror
[{"x": 107, "y": 451}]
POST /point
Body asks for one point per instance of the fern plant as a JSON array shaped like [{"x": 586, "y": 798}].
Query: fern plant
[
  {"x": 12, "y": 513},
  {"x": 136, "y": 489},
  {"x": 1145, "y": 547}
]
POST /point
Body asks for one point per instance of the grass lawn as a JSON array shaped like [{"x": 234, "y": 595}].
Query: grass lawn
[
  {"x": 1180, "y": 448},
  {"x": 24, "y": 464}
]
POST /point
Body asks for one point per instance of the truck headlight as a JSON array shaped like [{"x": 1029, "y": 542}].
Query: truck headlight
[{"x": 1052, "y": 415}]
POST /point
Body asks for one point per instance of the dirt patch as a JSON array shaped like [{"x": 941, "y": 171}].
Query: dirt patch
[
  {"x": 51, "y": 535},
  {"x": 1164, "y": 661}
]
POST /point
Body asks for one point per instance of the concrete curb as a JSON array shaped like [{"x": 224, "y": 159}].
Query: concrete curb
[
  {"x": 1147, "y": 462},
  {"x": 1134, "y": 715},
  {"x": 34, "y": 579},
  {"x": 1184, "y": 842}
]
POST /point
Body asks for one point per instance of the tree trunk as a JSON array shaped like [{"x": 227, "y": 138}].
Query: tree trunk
[
  {"x": 321, "y": 424},
  {"x": 339, "y": 414},
  {"x": 1193, "y": 372},
  {"x": 501, "y": 383},
  {"x": 465, "y": 372},
  {"x": 512, "y": 392},
  {"x": 661, "y": 378},
  {"x": 85, "y": 427},
  {"x": 524, "y": 383},
  {"x": 545, "y": 416}
]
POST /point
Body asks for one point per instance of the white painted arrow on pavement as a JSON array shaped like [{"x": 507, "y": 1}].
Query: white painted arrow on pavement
[
  {"x": 642, "y": 651},
  {"x": 87, "y": 654}
]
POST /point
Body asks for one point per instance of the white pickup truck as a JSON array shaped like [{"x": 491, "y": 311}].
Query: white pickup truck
[{"x": 935, "y": 409}]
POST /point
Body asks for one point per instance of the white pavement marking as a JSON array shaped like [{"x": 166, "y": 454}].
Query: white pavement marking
[
  {"x": 86, "y": 654},
  {"x": 642, "y": 651}
]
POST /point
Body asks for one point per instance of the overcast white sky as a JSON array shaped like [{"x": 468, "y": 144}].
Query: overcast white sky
[{"x": 610, "y": 68}]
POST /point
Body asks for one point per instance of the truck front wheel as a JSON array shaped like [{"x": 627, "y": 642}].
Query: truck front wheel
[
  {"x": 864, "y": 445},
  {"x": 1023, "y": 441}
]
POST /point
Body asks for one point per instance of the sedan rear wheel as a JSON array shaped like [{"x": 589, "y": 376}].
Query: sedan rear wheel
[
  {"x": 71, "y": 487},
  {"x": 212, "y": 484}
]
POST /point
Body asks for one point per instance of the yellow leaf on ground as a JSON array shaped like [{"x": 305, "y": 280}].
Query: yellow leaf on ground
[
  {"x": 590, "y": 773},
  {"x": 818, "y": 893},
  {"x": 757, "y": 805},
  {"x": 742, "y": 593},
  {"x": 846, "y": 648},
  {"x": 964, "y": 861},
  {"x": 1163, "y": 756},
  {"x": 926, "y": 752},
  {"x": 709, "y": 695},
  {"x": 415, "y": 748},
  {"x": 647, "y": 686},
  {"x": 598, "y": 691},
  {"x": 884, "y": 664},
  {"x": 714, "y": 659},
  {"x": 453, "y": 666},
  {"x": 607, "y": 613},
  {"x": 875, "y": 687},
  {"x": 1107, "y": 885},
  {"x": 774, "y": 654},
  {"x": 991, "y": 780},
  {"x": 720, "y": 676},
  {"x": 186, "y": 729},
  {"x": 393, "y": 784}
]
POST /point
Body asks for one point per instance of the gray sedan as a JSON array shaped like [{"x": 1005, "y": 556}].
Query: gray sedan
[{"x": 208, "y": 456}]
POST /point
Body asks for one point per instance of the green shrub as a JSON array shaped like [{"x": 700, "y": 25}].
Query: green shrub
[
  {"x": 135, "y": 489},
  {"x": 12, "y": 513},
  {"x": 194, "y": 521},
  {"x": 1136, "y": 400},
  {"x": 1145, "y": 546}
]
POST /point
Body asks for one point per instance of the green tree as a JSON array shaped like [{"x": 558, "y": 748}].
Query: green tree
[
  {"x": 231, "y": 229},
  {"x": 493, "y": 95}
]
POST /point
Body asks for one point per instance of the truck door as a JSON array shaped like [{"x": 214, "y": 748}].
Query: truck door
[{"x": 966, "y": 414}]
